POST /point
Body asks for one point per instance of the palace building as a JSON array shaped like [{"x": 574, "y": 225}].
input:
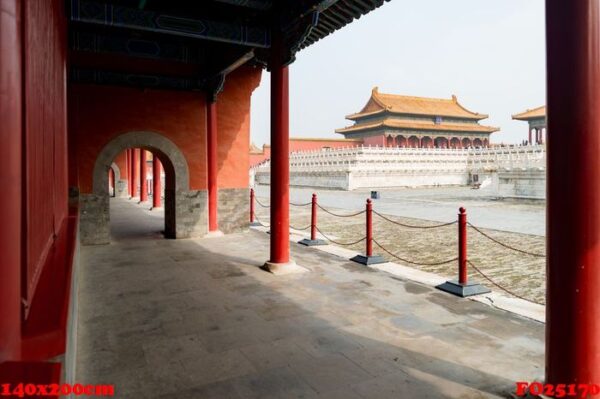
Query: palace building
[
  {"x": 537, "y": 123},
  {"x": 391, "y": 120}
]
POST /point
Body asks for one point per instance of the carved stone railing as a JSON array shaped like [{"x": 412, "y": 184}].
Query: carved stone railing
[{"x": 385, "y": 159}]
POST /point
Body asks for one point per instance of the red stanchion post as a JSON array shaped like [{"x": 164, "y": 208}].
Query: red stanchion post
[
  {"x": 369, "y": 220},
  {"x": 252, "y": 222},
  {"x": 313, "y": 226},
  {"x": 313, "y": 218},
  {"x": 462, "y": 287},
  {"x": 462, "y": 246},
  {"x": 369, "y": 258}
]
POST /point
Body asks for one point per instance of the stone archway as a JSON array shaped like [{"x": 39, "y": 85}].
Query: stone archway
[
  {"x": 185, "y": 209},
  {"x": 120, "y": 184}
]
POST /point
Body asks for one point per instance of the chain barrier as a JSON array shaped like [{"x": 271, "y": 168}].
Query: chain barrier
[
  {"x": 486, "y": 277},
  {"x": 300, "y": 205},
  {"x": 261, "y": 204},
  {"x": 410, "y": 226},
  {"x": 501, "y": 287},
  {"x": 297, "y": 228},
  {"x": 505, "y": 245},
  {"x": 261, "y": 223},
  {"x": 345, "y": 244},
  {"x": 338, "y": 215},
  {"x": 411, "y": 262}
]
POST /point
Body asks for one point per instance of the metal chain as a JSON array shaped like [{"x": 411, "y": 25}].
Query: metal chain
[
  {"x": 261, "y": 223},
  {"x": 411, "y": 262},
  {"x": 300, "y": 205},
  {"x": 410, "y": 226},
  {"x": 261, "y": 204},
  {"x": 501, "y": 287},
  {"x": 505, "y": 245},
  {"x": 340, "y": 243},
  {"x": 304, "y": 228},
  {"x": 338, "y": 215}
]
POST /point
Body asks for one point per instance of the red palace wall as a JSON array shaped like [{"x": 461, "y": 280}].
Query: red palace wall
[
  {"x": 301, "y": 144},
  {"x": 99, "y": 114},
  {"x": 121, "y": 162},
  {"x": 34, "y": 167},
  {"x": 375, "y": 141}
]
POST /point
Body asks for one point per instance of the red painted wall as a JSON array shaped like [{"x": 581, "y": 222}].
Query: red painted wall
[
  {"x": 33, "y": 165},
  {"x": 121, "y": 161},
  {"x": 179, "y": 116},
  {"x": 375, "y": 141},
  {"x": 10, "y": 179},
  {"x": 233, "y": 126},
  {"x": 45, "y": 132}
]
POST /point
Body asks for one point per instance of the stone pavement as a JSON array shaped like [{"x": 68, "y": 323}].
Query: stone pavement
[
  {"x": 197, "y": 318},
  {"x": 440, "y": 204}
]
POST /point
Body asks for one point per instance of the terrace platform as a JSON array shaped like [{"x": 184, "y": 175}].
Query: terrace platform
[{"x": 197, "y": 318}]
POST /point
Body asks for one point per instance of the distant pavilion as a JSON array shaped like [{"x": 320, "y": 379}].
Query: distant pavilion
[
  {"x": 537, "y": 123},
  {"x": 392, "y": 120}
]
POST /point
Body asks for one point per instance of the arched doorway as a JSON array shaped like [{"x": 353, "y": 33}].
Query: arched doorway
[
  {"x": 455, "y": 143},
  {"x": 185, "y": 210},
  {"x": 427, "y": 142},
  {"x": 401, "y": 141},
  {"x": 111, "y": 182},
  {"x": 413, "y": 142},
  {"x": 120, "y": 185},
  {"x": 477, "y": 143},
  {"x": 441, "y": 142},
  {"x": 466, "y": 142}
]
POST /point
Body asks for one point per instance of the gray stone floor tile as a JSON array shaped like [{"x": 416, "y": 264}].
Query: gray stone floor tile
[{"x": 197, "y": 318}]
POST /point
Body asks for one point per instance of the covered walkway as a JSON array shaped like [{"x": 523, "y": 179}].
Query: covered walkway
[{"x": 197, "y": 318}]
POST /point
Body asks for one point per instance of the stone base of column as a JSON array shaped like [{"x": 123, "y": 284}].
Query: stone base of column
[
  {"x": 212, "y": 234},
  {"x": 157, "y": 208},
  {"x": 369, "y": 260},
  {"x": 255, "y": 224},
  {"x": 463, "y": 290},
  {"x": 283, "y": 268},
  {"x": 312, "y": 243}
]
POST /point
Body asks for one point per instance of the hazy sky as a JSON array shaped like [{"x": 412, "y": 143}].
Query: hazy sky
[{"x": 491, "y": 54}]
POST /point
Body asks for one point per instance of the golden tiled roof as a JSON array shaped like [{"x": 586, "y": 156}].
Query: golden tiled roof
[
  {"x": 420, "y": 125},
  {"x": 254, "y": 149},
  {"x": 539, "y": 112},
  {"x": 381, "y": 102}
]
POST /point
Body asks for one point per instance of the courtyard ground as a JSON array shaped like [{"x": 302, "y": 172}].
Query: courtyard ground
[
  {"x": 513, "y": 222},
  {"x": 198, "y": 318}
]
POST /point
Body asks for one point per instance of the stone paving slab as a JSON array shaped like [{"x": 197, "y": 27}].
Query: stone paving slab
[{"x": 214, "y": 325}]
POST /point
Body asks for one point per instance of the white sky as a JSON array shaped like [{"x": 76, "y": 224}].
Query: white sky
[{"x": 490, "y": 53}]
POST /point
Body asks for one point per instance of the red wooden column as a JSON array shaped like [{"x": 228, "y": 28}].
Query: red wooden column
[
  {"x": 133, "y": 159},
  {"x": 211, "y": 149},
  {"x": 127, "y": 172},
  {"x": 156, "y": 189},
  {"x": 143, "y": 174},
  {"x": 530, "y": 143},
  {"x": 573, "y": 193},
  {"x": 280, "y": 167}
]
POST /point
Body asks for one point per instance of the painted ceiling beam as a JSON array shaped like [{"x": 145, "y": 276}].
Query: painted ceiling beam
[
  {"x": 254, "y": 4},
  {"x": 103, "y": 14},
  {"x": 114, "y": 78}
]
